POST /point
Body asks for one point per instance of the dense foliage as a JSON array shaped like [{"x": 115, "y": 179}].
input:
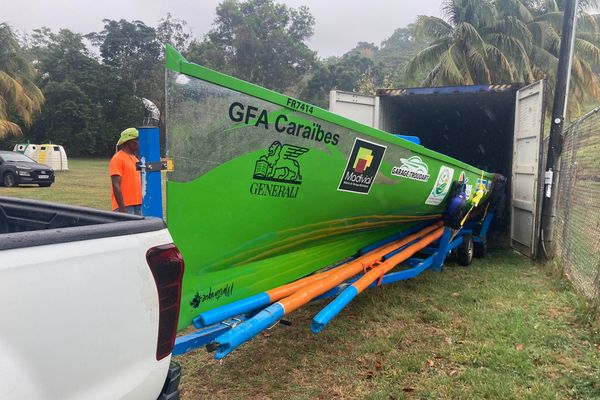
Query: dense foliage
[
  {"x": 259, "y": 41},
  {"x": 499, "y": 41},
  {"x": 20, "y": 98},
  {"x": 82, "y": 90}
]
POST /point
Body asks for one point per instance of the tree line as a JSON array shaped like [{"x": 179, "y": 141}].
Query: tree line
[{"x": 81, "y": 90}]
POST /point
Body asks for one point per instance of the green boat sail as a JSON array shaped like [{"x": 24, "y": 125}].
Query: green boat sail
[{"x": 267, "y": 189}]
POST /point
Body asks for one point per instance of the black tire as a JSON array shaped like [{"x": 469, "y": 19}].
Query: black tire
[
  {"x": 45, "y": 184},
  {"x": 465, "y": 251},
  {"x": 9, "y": 179},
  {"x": 170, "y": 389},
  {"x": 480, "y": 249}
]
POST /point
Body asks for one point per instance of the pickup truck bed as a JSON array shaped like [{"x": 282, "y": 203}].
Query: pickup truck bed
[
  {"x": 33, "y": 223},
  {"x": 89, "y": 303}
]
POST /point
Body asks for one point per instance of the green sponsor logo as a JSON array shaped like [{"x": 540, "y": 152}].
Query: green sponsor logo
[
  {"x": 281, "y": 165},
  {"x": 412, "y": 168},
  {"x": 441, "y": 187}
]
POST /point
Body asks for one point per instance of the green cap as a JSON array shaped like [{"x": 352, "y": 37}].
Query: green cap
[{"x": 127, "y": 135}]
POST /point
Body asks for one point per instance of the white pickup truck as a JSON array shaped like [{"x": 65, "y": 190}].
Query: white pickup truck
[{"x": 89, "y": 302}]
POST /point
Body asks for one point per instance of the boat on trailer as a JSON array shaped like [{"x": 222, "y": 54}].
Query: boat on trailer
[{"x": 267, "y": 189}]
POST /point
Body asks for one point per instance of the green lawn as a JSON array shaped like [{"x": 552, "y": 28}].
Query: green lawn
[
  {"x": 504, "y": 328},
  {"x": 87, "y": 183}
]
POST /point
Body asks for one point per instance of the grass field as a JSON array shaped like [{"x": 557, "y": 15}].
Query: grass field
[
  {"x": 504, "y": 328},
  {"x": 87, "y": 183}
]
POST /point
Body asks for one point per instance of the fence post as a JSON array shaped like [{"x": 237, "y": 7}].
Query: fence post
[{"x": 558, "y": 116}]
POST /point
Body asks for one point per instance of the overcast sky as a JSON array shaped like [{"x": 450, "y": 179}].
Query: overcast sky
[{"x": 339, "y": 24}]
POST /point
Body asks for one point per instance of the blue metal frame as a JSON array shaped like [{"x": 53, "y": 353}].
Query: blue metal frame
[
  {"x": 151, "y": 181},
  {"x": 454, "y": 89},
  {"x": 485, "y": 226},
  {"x": 436, "y": 255},
  {"x": 201, "y": 338}
]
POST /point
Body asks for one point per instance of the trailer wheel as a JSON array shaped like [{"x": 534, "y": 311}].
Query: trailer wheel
[
  {"x": 480, "y": 249},
  {"x": 465, "y": 251}
]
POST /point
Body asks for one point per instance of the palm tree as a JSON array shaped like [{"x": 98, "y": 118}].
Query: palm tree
[
  {"x": 503, "y": 41},
  {"x": 546, "y": 29},
  {"x": 20, "y": 98},
  {"x": 544, "y": 23},
  {"x": 459, "y": 54}
]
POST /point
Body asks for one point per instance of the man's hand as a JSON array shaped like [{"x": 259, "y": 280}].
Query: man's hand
[{"x": 116, "y": 187}]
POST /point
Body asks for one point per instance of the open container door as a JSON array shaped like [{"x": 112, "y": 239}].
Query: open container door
[
  {"x": 363, "y": 108},
  {"x": 526, "y": 169}
]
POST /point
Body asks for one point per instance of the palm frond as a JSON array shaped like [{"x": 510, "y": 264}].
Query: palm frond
[
  {"x": 543, "y": 33},
  {"x": 432, "y": 28},
  {"x": 514, "y": 27},
  {"x": 513, "y": 49},
  {"x": 590, "y": 37},
  {"x": 587, "y": 23},
  {"x": 478, "y": 13},
  {"x": 19, "y": 96},
  {"x": 426, "y": 59},
  {"x": 514, "y": 8},
  {"x": 588, "y": 4},
  {"x": 479, "y": 70},
  {"x": 537, "y": 33},
  {"x": 468, "y": 36},
  {"x": 460, "y": 59},
  {"x": 551, "y": 40},
  {"x": 589, "y": 50},
  {"x": 15, "y": 91},
  {"x": 544, "y": 60},
  {"x": 553, "y": 18},
  {"x": 502, "y": 70},
  {"x": 449, "y": 71},
  {"x": 431, "y": 78},
  {"x": 9, "y": 128},
  {"x": 550, "y": 6},
  {"x": 582, "y": 72}
]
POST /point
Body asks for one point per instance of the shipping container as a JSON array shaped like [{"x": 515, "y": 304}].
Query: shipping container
[{"x": 498, "y": 128}]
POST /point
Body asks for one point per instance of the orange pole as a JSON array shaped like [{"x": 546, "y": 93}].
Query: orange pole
[
  {"x": 378, "y": 270},
  {"x": 338, "y": 275},
  {"x": 387, "y": 265},
  {"x": 272, "y": 296},
  {"x": 286, "y": 290},
  {"x": 243, "y": 332},
  {"x": 281, "y": 292}
]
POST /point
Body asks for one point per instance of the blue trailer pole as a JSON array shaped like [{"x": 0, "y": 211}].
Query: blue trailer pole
[{"x": 151, "y": 181}]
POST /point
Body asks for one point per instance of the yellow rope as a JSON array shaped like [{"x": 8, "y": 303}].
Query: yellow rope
[{"x": 481, "y": 190}]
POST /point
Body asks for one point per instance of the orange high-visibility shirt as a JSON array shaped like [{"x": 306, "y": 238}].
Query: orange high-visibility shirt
[{"x": 123, "y": 165}]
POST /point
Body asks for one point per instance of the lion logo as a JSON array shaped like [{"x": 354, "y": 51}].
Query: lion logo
[{"x": 280, "y": 164}]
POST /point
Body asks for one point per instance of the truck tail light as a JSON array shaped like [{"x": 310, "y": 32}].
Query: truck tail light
[{"x": 167, "y": 268}]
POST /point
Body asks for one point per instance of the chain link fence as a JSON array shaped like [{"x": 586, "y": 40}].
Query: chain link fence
[{"x": 577, "y": 230}]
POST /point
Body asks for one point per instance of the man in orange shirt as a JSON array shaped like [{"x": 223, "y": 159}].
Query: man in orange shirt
[{"x": 126, "y": 179}]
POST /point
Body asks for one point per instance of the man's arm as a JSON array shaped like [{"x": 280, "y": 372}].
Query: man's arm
[{"x": 116, "y": 187}]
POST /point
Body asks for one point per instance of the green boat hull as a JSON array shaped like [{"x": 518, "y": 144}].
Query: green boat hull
[{"x": 267, "y": 189}]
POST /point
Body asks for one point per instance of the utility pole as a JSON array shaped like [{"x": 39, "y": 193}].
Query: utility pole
[{"x": 559, "y": 108}]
